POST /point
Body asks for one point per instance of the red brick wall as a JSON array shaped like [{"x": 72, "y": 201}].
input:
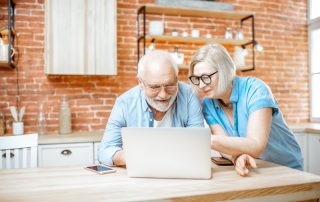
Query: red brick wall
[{"x": 281, "y": 27}]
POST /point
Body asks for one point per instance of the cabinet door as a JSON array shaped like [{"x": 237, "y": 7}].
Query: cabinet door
[
  {"x": 314, "y": 151},
  {"x": 65, "y": 154},
  {"x": 81, "y": 37},
  {"x": 303, "y": 143},
  {"x": 96, "y": 148}
]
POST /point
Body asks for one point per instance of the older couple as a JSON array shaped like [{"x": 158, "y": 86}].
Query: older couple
[{"x": 242, "y": 113}]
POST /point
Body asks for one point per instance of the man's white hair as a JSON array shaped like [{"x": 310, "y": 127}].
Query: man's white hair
[{"x": 156, "y": 55}]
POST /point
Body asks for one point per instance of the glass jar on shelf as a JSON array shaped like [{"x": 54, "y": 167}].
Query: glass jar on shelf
[
  {"x": 41, "y": 120},
  {"x": 228, "y": 33},
  {"x": 239, "y": 34}
]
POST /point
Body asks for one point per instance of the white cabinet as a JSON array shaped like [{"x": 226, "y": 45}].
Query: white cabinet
[
  {"x": 65, "y": 154},
  {"x": 96, "y": 149},
  {"x": 313, "y": 153},
  {"x": 310, "y": 147},
  {"x": 302, "y": 139},
  {"x": 81, "y": 37}
]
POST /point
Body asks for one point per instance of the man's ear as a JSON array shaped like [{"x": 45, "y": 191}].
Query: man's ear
[{"x": 140, "y": 83}]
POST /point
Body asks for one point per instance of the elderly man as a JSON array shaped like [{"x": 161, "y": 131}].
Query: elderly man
[{"x": 158, "y": 101}]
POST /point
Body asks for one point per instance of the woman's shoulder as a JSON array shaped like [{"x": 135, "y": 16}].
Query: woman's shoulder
[
  {"x": 251, "y": 82},
  {"x": 249, "y": 79}
]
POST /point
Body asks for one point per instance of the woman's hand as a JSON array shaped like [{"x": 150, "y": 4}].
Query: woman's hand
[{"x": 242, "y": 162}]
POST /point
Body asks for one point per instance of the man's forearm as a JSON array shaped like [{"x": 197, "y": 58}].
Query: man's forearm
[{"x": 119, "y": 158}]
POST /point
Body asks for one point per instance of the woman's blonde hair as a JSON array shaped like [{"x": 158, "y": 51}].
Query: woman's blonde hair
[{"x": 218, "y": 57}]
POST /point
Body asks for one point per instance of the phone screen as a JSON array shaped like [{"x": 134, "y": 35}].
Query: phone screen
[{"x": 99, "y": 168}]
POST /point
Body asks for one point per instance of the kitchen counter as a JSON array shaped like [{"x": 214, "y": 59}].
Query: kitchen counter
[
  {"x": 77, "y": 137},
  {"x": 305, "y": 128},
  {"x": 96, "y": 136},
  {"x": 270, "y": 182}
]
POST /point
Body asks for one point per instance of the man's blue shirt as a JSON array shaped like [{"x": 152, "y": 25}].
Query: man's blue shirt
[
  {"x": 248, "y": 95},
  {"x": 132, "y": 110}
]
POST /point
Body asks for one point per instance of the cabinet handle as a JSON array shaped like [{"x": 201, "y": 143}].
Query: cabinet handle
[
  {"x": 66, "y": 152},
  {"x": 4, "y": 155}
]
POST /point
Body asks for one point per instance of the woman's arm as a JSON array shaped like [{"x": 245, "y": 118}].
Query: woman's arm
[{"x": 253, "y": 144}]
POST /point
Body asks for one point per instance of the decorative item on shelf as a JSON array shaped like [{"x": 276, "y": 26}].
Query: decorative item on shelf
[
  {"x": 239, "y": 57},
  {"x": 239, "y": 34},
  {"x": 41, "y": 120},
  {"x": 8, "y": 53},
  {"x": 17, "y": 125},
  {"x": 208, "y": 36},
  {"x": 195, "y": 33},
  {"x": 156, "y": 28},
  {"x": 2, "y": 126},
  {"x": 228, "y": 33},
  {"x": 178, "y": 57},
  {"x": 3, "y": 51},
  {"x": 174, "y": 32},
  {"x": 65, "y": 117},
  {"x": 185, "y": 34},
  {"x": 245, "y": 51},
  {"x": 258, "y": 47},
  {"x": 152, "y": 46}
]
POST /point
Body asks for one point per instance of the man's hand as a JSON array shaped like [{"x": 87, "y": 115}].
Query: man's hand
[
  {"x": 242, "y": 163},
  {"x": 119, "y": 158}
]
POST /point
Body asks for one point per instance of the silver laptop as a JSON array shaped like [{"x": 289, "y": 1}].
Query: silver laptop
[{"x": 167, "y": 152}]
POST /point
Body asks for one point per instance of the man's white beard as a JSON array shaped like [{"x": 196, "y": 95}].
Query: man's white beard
[{"x": 161, "y": 107}]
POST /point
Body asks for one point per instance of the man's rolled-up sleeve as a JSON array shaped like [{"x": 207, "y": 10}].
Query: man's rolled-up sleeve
[{"x": 112, "y": 140}]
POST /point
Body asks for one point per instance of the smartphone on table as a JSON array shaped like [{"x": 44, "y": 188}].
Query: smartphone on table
[
  {"x": 100, "y": 169},
  {"x": 221, "y": 161}
]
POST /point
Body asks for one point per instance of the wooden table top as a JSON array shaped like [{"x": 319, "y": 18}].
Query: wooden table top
[{"x": 77, "y": 184}]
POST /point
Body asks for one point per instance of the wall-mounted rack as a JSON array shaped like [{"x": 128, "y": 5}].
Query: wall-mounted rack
[{"x": 164, "y": 10}]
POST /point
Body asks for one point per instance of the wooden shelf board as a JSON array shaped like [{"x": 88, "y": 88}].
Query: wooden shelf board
[
  {"x": 164, "y": 38},
  {"x": 5, "y": 2},
  {"x": 195, "y": 12},
  {"x": 4, "y": 64}
]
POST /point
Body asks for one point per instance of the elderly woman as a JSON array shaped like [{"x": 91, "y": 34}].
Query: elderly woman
[{"x": 242, "y": 113}]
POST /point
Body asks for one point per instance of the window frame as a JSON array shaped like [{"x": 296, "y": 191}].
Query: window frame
[{"x": 313, "y": 24}]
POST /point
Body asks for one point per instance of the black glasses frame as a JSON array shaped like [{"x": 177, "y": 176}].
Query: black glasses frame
[{"x": 203, "y": 78}]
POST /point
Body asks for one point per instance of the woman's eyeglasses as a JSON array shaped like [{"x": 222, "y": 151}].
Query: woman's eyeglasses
[{"x": 206, "y": 79}]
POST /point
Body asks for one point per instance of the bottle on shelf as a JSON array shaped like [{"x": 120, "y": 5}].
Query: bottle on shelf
[
  {"x": 41, "y": 120},
  {"x": 174, "y": 32},
  {"x": 228, "y": 33},
  {"x": 2, "y": 125},
  {"x": 239, "y": 34},
  {"x": 65, "y": 117}
]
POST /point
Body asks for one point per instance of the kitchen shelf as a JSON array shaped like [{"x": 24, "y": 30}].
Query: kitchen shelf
[
  {"x": 164, "y": 38},
  {"x": 11, "y": 63},
  {"x": 179, "y": 11},
  {"x": 194, "y": 12}
]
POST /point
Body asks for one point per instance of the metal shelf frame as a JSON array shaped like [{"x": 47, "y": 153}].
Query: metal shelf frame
[{"x": 243, "y": 16}]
